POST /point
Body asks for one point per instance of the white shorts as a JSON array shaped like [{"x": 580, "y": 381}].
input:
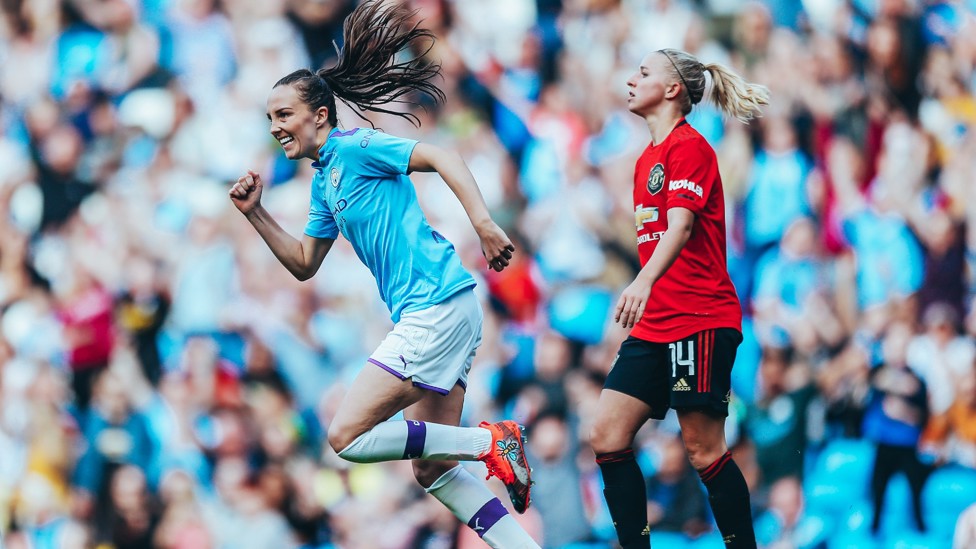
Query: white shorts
[{"x": 434, "y": 347}]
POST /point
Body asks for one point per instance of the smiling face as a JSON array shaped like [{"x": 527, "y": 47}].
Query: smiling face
[
  {"x": 651, "y": 85},
  {"x": 294, "y": 124}
]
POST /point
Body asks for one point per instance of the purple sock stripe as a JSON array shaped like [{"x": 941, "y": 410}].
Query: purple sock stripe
[
  {"x": 487, "y": 516},
  {"x": 387, "y": 368},
  {"x": 416, "y": 436}
]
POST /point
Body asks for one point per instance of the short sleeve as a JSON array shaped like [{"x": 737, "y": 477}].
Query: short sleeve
[
  {"x": 321, "y": 221},
  {"x": 692, "y": 171},
  {"x": 378, "y": 154}
]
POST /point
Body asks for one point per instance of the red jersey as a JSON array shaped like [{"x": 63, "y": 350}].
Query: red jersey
[{"x": 695, "y": 293}]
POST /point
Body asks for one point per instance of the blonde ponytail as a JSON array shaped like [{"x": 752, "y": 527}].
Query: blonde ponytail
[
  {"x": 735, "y": 96},
  {"x": 730, "y": 92}
]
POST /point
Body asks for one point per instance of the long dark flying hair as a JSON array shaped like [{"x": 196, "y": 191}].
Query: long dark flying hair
[{"x": 368, "y": 74}]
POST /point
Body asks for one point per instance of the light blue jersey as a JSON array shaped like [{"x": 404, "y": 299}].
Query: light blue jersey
[{"x": 361, "y": 189}]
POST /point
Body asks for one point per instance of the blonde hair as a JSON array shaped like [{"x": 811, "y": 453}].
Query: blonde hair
[{"x": 730, "y": 92}]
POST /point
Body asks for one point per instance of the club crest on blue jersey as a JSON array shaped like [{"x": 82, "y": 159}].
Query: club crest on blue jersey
[
  {"x": 335, "y": 178},
  {"x": 655, "y": 181}
]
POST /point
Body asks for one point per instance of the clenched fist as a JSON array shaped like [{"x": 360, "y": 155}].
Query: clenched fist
[{"x": 246, "y": 193}]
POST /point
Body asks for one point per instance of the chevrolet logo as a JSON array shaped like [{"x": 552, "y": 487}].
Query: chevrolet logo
[{"x": 644, "y": 215}]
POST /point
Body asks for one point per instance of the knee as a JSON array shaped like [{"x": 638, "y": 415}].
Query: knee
[
  {"x": 606, "y": 437},
  {"x": 340, "y": 437},
  {"x": 427, "y": 472},
  {"x": 702, "y": 450}
]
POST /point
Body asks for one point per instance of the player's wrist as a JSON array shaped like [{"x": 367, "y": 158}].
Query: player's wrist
[
  {"x": 645, "y": 277},
  {"x": 253, "y": 213},
  {"x": 483, "y": 225}
]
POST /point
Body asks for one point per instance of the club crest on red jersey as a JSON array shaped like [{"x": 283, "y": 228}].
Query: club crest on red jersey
[{"x": 655, "y": 181}]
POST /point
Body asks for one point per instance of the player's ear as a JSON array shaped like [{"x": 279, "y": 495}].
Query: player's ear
[
  {"x": 322, "y": 116},
  {"x": 672, "y": 90}
]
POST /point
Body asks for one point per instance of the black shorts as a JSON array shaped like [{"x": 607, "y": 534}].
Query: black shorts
[{"x": 694, "y": 373}]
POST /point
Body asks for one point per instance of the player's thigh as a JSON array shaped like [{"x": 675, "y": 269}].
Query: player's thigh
[
  {"x": 619, "y": 417},
  {"x": 635, "y": 390},
  {"x": 437, "y": 408},
  {"x": 374, "y": 396}
]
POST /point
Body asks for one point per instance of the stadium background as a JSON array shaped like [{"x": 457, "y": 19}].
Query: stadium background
[{"x": 166, "y": 383}]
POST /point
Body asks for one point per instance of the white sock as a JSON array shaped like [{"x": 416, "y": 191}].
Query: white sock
[
  {"x": 474, "y": 504},
  {"x": 394, "y": 440}
]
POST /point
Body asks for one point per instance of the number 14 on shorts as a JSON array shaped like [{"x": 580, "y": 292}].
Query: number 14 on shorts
[{"x": 682, "y": 354}]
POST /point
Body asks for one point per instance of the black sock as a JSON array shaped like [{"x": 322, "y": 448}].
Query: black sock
[
  {"x": 626, "y": 497},
  {"x": 728, "y": 496}
]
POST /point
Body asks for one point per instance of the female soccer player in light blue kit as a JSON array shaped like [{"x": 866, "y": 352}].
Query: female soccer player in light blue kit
[{"x": 361, "y": 190}]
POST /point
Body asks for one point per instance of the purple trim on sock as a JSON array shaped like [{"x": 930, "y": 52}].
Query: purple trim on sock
[
  {"x": 387, "y": 368},
  {"x": 416, "y": 436},
  {"x": 487, "y": 516}
]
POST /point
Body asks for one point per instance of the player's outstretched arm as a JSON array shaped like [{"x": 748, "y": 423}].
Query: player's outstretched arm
[
  {"x": 495, "y": 244},
  {"x": 302, "y": 257}
]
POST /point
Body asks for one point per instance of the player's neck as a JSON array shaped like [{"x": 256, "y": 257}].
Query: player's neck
[
  {"x": 321, "y": 136},
  {"x": 662, "y": 124}
]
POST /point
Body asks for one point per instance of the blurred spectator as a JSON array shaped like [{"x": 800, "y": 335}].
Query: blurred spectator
[
  {"x": 319, "y": 24},
  {"x": 786, "y": 524},
  {"x": 86, "y": 314},
  {"x": 951, "y": 436},
  {"x": 115, "y": 435},
  {"x": 843, "y": 383},
  {"x": 793, "y": 285},
  {"x": 890, "y": 262},
  {"x": 675, "y": 499},
  {"x": 238, "y": 515},
  {"x": 896, "y": 413},
  {"x": 777, "y": 186},
  {"x": 940, "y": 356},
  {"x": 203, "y": 53},
  {"x": 181, "y": 525},
  {"x": 141, "y": 311},
  {"x": 555, "y": 494},
  {"x": 777, "y": 422},
  {"x": 59, "y": 154},
  {"x": 128, "y": 519}
]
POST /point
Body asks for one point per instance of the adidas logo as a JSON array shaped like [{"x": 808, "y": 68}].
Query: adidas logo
[{"x": 681, "y": 385}]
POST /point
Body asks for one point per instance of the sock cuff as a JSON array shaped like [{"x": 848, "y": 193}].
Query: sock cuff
[
  {"x": 615, "y": 457},
  {"x": 486, "y": 517},
  {"x": 712, "y": 471},
  {"x": 416, "y": 438}
]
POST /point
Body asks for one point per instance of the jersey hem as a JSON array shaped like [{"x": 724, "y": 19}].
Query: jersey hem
[
  {"x": 675, "y": 335},
  {"x": 451, "y": 292}
]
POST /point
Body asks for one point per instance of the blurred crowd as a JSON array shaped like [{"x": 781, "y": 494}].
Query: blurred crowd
[{"x": 164, "y": 382}]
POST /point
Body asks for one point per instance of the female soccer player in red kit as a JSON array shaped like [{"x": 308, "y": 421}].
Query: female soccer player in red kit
[{"x": 685, "y": 314}]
